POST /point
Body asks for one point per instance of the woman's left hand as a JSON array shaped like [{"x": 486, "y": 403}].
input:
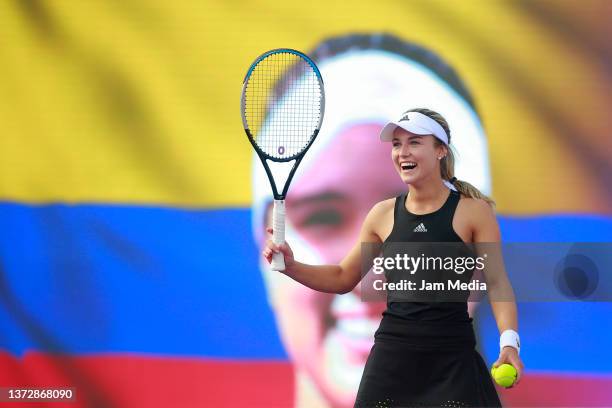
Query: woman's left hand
[{"x": 509, "y": 355}]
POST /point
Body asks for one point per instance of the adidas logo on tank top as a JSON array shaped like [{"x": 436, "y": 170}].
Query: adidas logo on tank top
[
  {"x": 436, "y": 226},
  {"x": 420, "y": 228}
]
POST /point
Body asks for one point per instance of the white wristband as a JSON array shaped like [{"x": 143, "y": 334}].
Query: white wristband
[{"x": 510, "y": 338}]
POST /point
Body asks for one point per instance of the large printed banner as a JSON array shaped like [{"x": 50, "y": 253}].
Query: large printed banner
[{"x": 133, "y": 210}]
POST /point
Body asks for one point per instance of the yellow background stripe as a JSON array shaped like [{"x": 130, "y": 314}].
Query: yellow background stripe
[{"x": 138, "y": 101}]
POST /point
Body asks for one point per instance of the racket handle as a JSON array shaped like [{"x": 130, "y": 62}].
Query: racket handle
[{"x": 278, "y": 234}]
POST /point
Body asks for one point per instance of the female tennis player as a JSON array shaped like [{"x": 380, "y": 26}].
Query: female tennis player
[{"x": 424, "y": 353}]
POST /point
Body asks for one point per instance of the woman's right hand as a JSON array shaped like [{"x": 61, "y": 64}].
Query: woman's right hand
[{"x": 271, "y": 248}]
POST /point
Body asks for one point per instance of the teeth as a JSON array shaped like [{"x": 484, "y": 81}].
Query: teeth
[
  {"x": 352, "y": 317},
  {"x": 348, "y": 305},
  {"x": 358, "y": 328}
]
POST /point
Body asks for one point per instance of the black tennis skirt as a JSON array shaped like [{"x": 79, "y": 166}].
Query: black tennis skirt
[{"x": 425, "y": 364}]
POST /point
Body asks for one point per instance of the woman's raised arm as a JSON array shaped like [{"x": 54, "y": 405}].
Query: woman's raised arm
[{"x": 340, "y": 278}]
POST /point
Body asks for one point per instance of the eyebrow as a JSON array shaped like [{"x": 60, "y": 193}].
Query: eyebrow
[
  {"x": 323, "y": 197},
  {"x": 395, "y": 139}
]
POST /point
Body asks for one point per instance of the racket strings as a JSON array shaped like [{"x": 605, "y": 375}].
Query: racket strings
[{"x": 283, "y": 104}]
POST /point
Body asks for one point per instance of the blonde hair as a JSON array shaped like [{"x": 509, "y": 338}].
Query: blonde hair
[{"x": 447, "y": 163}]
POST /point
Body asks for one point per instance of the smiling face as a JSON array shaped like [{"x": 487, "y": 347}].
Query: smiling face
[
  {"x": 330, "y": 336},
  {"x": 347, "y": 170},
  {"x": 415, "y": 157}
]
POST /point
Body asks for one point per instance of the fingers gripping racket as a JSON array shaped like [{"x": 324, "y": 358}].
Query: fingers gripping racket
[{"x": 282, "y": 107}]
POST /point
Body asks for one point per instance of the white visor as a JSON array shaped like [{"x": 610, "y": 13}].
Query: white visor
[{"x": 417, "y": 123}]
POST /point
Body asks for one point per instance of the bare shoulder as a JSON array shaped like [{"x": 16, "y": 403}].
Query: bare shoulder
[
  {"x": 379, "y": 220},
  {"x": 384, "y": 205},
  {"x": 477, "y": 208},
  {"x": 381, "y": 209},
  {"x": 480, "y": 215}
]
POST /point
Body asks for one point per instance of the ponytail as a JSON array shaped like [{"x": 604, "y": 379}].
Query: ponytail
[{"x": 469, "y": 190}]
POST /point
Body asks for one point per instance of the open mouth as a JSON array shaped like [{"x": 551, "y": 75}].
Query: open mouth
[
  {"x": 353, "y": 326},
  {"x": 407, "y": 165}
]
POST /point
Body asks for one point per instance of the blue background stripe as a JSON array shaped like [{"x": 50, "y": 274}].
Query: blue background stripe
[
  {"x": 110, "y": 278},
  {"x": 93, "y": 278}
]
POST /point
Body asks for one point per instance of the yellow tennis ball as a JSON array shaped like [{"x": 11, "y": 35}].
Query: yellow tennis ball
[{"x": 504, "y": 375}]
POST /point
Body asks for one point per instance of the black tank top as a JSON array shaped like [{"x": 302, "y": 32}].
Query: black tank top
[{"x": 436, "y": 226}]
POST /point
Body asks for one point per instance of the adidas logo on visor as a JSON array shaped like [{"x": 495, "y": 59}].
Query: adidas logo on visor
[{"x": 420, "y": 228}]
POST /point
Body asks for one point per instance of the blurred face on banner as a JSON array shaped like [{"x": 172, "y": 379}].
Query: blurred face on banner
[{"x": 347, "y": 170}]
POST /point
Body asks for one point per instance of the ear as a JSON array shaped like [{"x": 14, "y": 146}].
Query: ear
[{"x": 441, "y": 150}]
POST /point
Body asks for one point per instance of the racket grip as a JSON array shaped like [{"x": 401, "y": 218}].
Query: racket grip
[{"x": 278, "y": 234}]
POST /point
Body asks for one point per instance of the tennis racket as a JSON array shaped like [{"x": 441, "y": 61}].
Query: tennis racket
[{"x": 282, "y": 106}]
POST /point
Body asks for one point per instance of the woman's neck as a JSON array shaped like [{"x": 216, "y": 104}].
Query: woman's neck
[{"x": 426, "y": 196}]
